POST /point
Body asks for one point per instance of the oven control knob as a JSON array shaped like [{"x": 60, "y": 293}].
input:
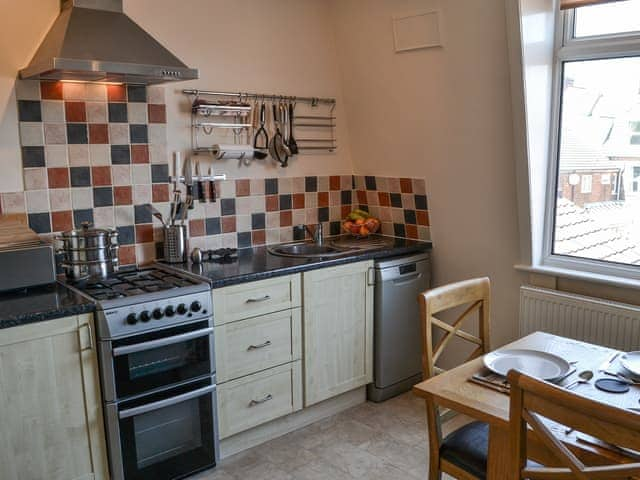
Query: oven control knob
[
  {"x": 196, "y": 306},
  {"x": 169, "y": 311},
  {"x": 158, "y": 314},
  {"x": 182, "y": 309},
  {"x": 132, "y": 319},
  {"x": 144, "y": 316}
]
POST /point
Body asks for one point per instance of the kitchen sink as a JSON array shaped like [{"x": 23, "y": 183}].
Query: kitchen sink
[{"x": 305, "y": 250}]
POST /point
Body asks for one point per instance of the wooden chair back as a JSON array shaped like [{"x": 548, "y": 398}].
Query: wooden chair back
[
  {"x": 533, "y": 400},
  {"x": 476, "y": 294}
]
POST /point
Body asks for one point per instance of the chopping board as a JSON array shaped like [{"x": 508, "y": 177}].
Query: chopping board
[{"x": 14, "y": 232}]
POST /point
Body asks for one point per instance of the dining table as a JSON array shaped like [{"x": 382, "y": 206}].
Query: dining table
[{"x": 455, "y": 390}]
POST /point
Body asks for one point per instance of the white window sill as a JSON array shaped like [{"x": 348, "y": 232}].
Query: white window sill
[{"x": 611, "y": 280}]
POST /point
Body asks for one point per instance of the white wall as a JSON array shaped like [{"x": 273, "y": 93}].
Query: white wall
[{"x": 442, "y": 114}]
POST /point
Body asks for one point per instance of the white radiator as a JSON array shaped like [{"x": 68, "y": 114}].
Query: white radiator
[{"x": 615, "y": 325}]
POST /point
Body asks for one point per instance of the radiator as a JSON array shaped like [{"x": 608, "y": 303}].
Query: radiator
[{"x": 615, "y": 325}]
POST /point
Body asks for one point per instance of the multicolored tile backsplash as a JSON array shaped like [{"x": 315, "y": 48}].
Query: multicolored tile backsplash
[{"x": 97, "y": 153}]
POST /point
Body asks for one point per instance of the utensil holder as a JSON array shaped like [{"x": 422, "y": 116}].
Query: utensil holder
[{"x": 175, "y": 244}]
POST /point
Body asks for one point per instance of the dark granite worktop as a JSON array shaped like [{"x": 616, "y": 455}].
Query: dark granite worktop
[
  {"x": 38, "y": 304},
  {"x": 257, "y": 263}
]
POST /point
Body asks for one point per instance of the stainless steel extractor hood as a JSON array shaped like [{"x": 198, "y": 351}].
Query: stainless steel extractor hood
[{"x": 93, "y": 40}]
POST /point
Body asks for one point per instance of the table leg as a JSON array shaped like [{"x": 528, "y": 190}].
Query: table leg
[{"x": 498, "y": 461}]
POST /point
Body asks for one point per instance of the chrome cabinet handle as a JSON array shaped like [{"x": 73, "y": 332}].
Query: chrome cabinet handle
[
  {"x": 161, "y": 342},
  {"x": 260, "y": 299},
  {"x": 253, "y": 403},
  {"x": 256, "y": 347},
  {"x": 89, "y": 335},
  {"x": 150, "y": 407}
]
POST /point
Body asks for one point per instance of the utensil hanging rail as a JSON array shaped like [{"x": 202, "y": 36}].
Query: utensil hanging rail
[{"x": 265, "y": 96}]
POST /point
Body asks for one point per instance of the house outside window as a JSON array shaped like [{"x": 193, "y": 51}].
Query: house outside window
[{"x": 597, "y": 221}]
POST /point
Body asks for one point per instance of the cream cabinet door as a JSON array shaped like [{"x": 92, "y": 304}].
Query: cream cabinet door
[
  {"x": 50, "y": 404},
  {"x": 337, "y": 330}
]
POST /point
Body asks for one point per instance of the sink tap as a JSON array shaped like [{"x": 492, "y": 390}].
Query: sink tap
[{"x": 316, "y": 234}]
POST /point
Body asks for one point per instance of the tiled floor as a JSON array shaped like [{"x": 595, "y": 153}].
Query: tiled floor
[{"x": 371, "y": 441}]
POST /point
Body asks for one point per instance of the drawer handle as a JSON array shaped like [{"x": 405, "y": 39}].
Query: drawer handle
[
  {"x": 260, "y": 299},
  {"x": 256, "y": 347},
  {"x": 253, "y": 403}
]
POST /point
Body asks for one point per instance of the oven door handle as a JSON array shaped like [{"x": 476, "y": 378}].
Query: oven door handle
[
  {"x": 161, "y": 342},
  {"x": 150, "y": 407}
]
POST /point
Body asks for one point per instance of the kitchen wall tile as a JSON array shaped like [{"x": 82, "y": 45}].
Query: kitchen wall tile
[
  {"x": 58, "y": 177},
  {"x": 98, "y": 133},
  {"x": 311, "y": 199},
  {"x": 228, "y": 206},
  {"x": 196, "y": 229},
  {"x": 141, "y": 194},
  {"x": 420, "y": 202},
  {"x": 411, "y": 231},
  {"x": 144, "y": 233},
  {"x": 157, "y": 134},
  {"x": 212, "y": 209},
  {"x": 31, "y": 134},
  {"x": 396, "y": 200},
  {"x": 35, "y": 178},
  {"x": 270, "y": 186},
  {"x": 244, "y": 239},
  {"x": 213, "y": 226},
  {"x": 124, "y": 215},
  {"x": 55, "y": 155},
  {"x": 13, "y": 202},
  {"x": 393, "y": 185},
  {"x": 311, "y": 215},
  {"x": 158, "y": 153},
  {"x": 155, "y": 94},
  {"x": 243, "y": 206},
  {"x": 311, "y": 184},
  {"x": 29, "y": 111},
  {"x": 80, "y": 176},
  {"x": 103, "y": 197},
  {"x": 81, "y": 198},
  {"x": 117, "y": 112},
  {"x": 157, "y": 113},
  {"x": 139, "y": 154},
  {"x": 406, "y": 185},
  {"x": 137, "y": 112},
  {"x": 243, "y": 187},
  {"x": 123, "y": 195},
  {"x": 139, "y": 133},
  {"x": 104, "y": 217},
  {"x": 419, "y": 187},
  {"x": 323, "y": 199},
  {"x": 75, "y": 112},
  {"x": 408, "y": 200},
  {"x": 40, "y": 222},
  {"x": 51, "y": 90},
  {"x": 298, "y": 185},
  {"x": 286, "y": 235},
  {"x": 334, "y": 182},
  {"x": 96, "y": 92},
  {"x": 382, "y": 184},
  {"x": 142, "y": 214},
  {"x": 258, "y": 237},
  {"x": 424, "y": 233},
  {"x": 298, "y": 201},
  {"x": 228, "y": 224},
  {"x": 127, "y": 255},
  {"x": 62, "y": 221},
  {"x": 422, "y": 217},
  {"x": 121, "y": 174},
  {"x": 159, "y": 193},
  {"x": 120, "y": 154},
  {"x": 141, "y": 174},
  {"x": 28, "y": 90},
  {"x": 145, "y": 253},
  {"x": 285, "y": 201},
  {"x": 33, "y": 157},
  {"x": 100, "y": 155},
  {"x": 323, "y": 183},
  {"x": 334, "y": 198},
  {"x": 60, "y": 199},
  {"x": 116, "y": 93},
  {"x": 372, "y": 198},
  {"x": 273, "y": 236},
  {"x": 53, "y": 111},
  {"x": 77, "y": 133},
  {"x": 97, "y": 112},
  {"x": 55, "y": 133},
  {"x": 136, "y": 93},
  {"x": 285, "y": 186},
  {"x": 243, "y": 223},
  {"x": 74, "y": 91},
  {"x": 37, "y": 201}
]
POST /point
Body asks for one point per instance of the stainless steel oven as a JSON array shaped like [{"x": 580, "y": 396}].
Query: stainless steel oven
[
  {"x": 168, "y": 434},
  {"x": 157, "y": 359}
]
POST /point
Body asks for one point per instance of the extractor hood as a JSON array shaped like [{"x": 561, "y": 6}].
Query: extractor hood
[{"x": 94, "y": 41}]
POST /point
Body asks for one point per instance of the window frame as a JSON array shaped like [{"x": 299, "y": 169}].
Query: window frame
[{"x": 568, "y": 48}]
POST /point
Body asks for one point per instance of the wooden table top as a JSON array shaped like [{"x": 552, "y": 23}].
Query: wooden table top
[{"x": 453, "y": 389}]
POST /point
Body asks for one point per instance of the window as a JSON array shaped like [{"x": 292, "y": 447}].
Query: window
[{"x": 590, "y": 226}]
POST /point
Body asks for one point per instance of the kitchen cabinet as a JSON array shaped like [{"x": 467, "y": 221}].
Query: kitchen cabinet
[
  {"x": 258, "y": 346},
  {"x": 337, "y": 330},
  {"x": 50, "y": 404}
]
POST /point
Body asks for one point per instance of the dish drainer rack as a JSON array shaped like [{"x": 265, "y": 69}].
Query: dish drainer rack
[{"x": 237, "y": 113}]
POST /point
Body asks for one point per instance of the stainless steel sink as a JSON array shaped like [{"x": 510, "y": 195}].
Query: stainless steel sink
[{"x": 305, "y": 250}]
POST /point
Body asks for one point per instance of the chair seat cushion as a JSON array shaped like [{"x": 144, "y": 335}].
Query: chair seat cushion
[{"x": 467, "y": 448}]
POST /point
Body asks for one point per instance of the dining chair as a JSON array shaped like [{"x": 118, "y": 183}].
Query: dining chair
[
  {"x": 532, "y": 401},
  {"x": 462, "y": 453}
]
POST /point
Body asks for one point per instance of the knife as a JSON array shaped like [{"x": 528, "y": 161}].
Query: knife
[
  {"x": 202, "y": 191},
  {"x": 212, "y": 186},
  {"x": 607, "y": 364},
  {"x": 188, "y": 180}
]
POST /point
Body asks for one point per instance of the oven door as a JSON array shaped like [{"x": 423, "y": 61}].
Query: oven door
[
  {"x": 158, "y": 359},
  {"x": 165, "y": 435}
]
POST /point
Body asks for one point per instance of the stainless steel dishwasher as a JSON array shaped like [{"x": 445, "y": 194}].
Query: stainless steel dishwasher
[{"x": 397, "y": 330}]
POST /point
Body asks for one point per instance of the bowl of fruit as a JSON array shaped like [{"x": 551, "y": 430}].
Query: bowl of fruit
[{"x": 360, "y": 224}]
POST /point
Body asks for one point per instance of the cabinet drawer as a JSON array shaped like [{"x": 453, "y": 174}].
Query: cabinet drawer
[
  {"x": 258, "y": 343},
  {"x": 256, "y": 399},
  {"x": 255, "y": 298}
]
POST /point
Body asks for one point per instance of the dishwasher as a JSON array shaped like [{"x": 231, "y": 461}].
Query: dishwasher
[{"x": 397, "y": 329}]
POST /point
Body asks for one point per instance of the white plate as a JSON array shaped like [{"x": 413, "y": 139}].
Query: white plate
[
  {"x": 631, "y": 362},
  {"x": 542, "y": 365}
]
